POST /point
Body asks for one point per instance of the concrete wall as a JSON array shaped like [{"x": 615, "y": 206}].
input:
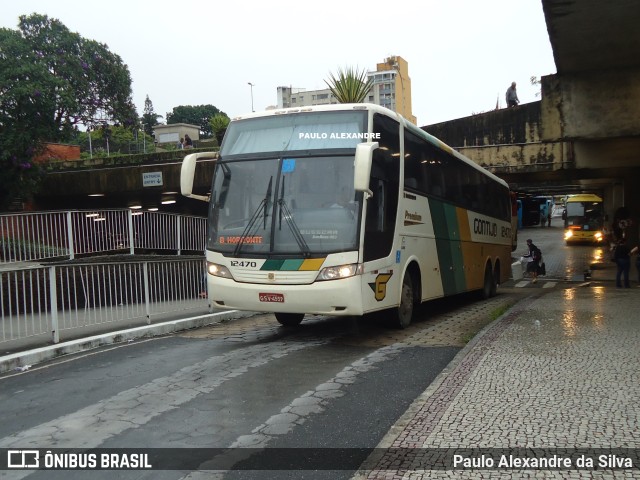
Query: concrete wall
[
  {"x": 500, "y": 127},
  {"x": 592, "y": 105},
  {"x": 521, "y": 158},
  {"x": 505, "y": 140}
]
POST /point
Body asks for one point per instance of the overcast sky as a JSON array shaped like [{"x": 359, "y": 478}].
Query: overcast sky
[{"x": 462, "y": 54}]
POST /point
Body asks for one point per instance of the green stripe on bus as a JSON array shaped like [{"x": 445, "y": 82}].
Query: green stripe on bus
[
  {"x": 272, "y": 265},
  {"x": 283, "y": 265},
  {"x": 447, "y": 233},
  {"x": 292, "y": 264}
]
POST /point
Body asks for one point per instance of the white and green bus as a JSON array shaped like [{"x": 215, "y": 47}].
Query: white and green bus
[{"x": 345, "y": 210}]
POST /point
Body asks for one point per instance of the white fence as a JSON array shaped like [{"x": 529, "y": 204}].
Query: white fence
[
  {"x": 36, "y": 236},
  {"x": 50, "y": 300},
  {"x": 54, "y": 298}
]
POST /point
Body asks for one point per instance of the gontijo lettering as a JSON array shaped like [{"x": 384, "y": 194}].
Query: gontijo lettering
[{"x": 485, "y": 227}]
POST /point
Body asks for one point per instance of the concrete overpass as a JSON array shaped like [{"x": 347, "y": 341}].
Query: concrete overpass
[{"x": 584, "y": 135}]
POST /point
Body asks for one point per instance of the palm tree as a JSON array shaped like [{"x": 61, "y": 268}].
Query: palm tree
[
  {"x": 351, "y": 85},
  {"x": 219, "y": 124}
]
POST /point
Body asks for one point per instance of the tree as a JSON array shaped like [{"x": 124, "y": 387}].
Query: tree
[
  {"x": 350, "y": 86},
  {"x": 195, "y": 115},
  {"x": 26, "y": 116},
  {"x": 536, "y": 82},
  {"x": 149, "y": 117},
  {"x": 52, "y": 80},
  {"x": 219, "y": 124},
  {"x": 93, "y": 84}
]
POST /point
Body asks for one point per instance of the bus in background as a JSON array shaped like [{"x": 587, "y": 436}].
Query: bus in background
[
  {"x": 530, "y": 211},
  {"x": 348, "y": 209},
  {"x": 584, "y": 219},
  {"x": 519, "y": 206}
]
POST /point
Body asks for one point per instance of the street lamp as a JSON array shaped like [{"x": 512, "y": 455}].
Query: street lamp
[{"x": 251, "y": 85}]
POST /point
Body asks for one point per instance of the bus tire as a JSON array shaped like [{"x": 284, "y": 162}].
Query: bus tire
[
  {"x": 289, "y": 319},
  {"x": 496, "y": 279},
  {"x": 488, "y": 286},
  {"x": 402, "y": 314}
]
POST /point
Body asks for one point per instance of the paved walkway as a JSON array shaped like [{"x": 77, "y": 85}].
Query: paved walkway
[
  {"x": 560, "y": 371},
  {"x": 555, "y": 379}
]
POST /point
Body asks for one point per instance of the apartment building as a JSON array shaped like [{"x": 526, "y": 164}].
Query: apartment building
[{"x": 391, "y": 88}]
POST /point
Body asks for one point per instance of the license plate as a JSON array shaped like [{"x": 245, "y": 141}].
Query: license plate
[{"x": 271, "y": 297}]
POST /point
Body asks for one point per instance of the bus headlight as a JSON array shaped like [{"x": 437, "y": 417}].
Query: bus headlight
[
  {"x": 339, "y": 271},
  {"x": 598, "y": 236},
  {"x": 218, "y": 270},
  {"x": 568, "y": 234}
]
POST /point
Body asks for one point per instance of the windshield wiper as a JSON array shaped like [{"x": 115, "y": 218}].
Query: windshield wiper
[
  {"x": 266, "y": 202},
  {"x": 295, "y": 231},
  {"x": 264, "y": 205}
]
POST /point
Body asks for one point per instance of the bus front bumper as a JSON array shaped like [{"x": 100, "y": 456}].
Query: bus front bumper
[
  {"x": 332, "y": 297},
  {"x": 583, "y": 236}
]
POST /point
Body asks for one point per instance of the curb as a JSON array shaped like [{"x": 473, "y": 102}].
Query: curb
[
  {"x": 22, "y": 361},
  {"x": 477, "y": 344}
]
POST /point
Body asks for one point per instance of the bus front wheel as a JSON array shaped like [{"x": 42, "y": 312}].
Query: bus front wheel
[
  {"x": 289, "y": 319},
  {"x": 402, "y": 314}
]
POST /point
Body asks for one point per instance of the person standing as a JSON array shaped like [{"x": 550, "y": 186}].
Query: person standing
[
  {"x": 512, "y": 96},
  {"x": 188, "y": 143},
  {"x": 622, "y": 257},
  {"x": 533, "y": 260}
]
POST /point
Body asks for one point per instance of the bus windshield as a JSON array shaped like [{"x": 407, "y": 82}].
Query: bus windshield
[
  {"x": 295, "y": 132},
  {"x": 292, "y": 205},
  {"x": 585, "y": 213}
]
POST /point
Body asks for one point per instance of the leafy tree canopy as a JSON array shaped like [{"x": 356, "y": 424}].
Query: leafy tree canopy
[
  {"x": 195, "y": 115},
  {"x": 350, "y": 85},
  {"x": 93, "y": 84},
  {"x": 26, "y": 116},
  {"x": 52, "y": 80}
]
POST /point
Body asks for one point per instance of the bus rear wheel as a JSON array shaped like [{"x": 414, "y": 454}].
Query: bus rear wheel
[
  {"x": 489, "y": 285},
  {"x": 289, "y": 319},
  {"x": 402, "y": 314}
]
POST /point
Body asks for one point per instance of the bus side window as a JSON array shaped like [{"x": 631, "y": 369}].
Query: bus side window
[
  {"x": 376, "y": 208},
  {"x": 384, "y": 183},
  {"x": 414, "y": 171}
]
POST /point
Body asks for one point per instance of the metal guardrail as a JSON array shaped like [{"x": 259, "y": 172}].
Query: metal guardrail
[
  {"x": 37, "y": 236},
  {"x": 39, "y": 297},
  {"x": 49, "y": 300}
]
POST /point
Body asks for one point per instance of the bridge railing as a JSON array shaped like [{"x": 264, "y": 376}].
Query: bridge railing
[
  {"x": 38, "y": 236},
  {"x": 51, "y": 301}
]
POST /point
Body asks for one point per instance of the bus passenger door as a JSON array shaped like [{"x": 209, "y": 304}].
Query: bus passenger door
[{"x": 382, "y": 283}]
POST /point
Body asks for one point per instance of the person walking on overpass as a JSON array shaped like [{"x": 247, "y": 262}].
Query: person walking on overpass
[{"x": 512, "y": 96}]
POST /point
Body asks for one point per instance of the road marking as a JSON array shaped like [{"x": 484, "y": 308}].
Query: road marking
[
  {"x": 523, "y": 283},
  {"x": 92, "y": 425},
  {"x": 549, "y": 285}
]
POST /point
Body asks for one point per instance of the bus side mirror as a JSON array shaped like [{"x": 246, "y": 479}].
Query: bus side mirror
[
  {"x": 362, "y": 166},
  {"x": 188, "y": 172}
]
